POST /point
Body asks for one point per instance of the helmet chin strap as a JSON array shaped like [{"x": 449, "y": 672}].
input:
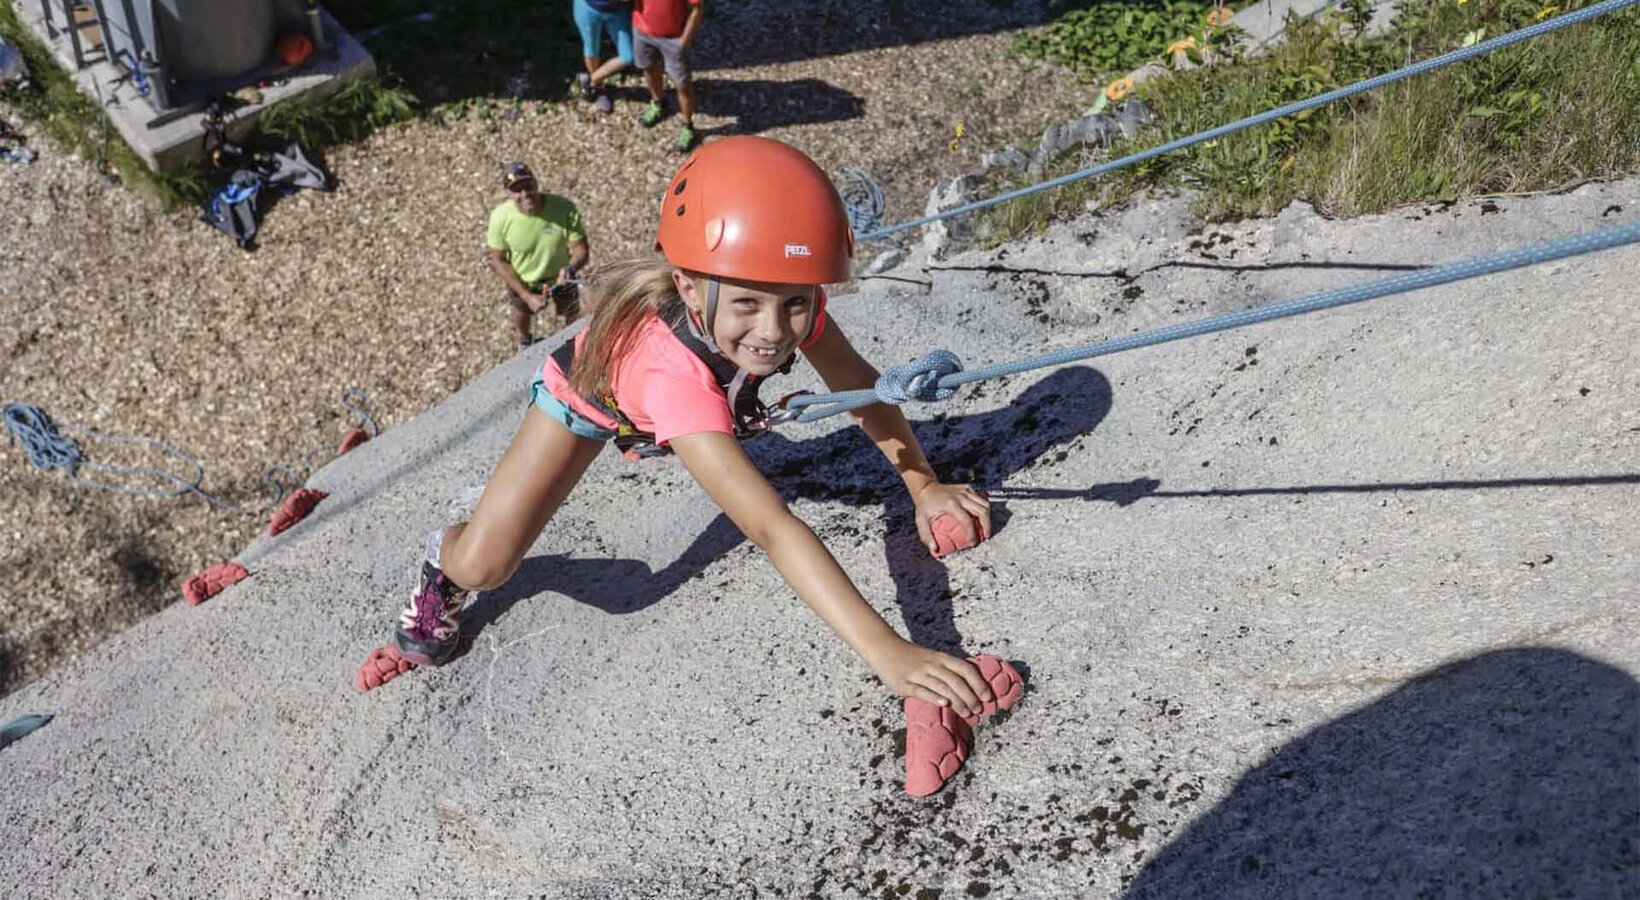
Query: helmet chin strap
[{"x": 704, "y": 334}]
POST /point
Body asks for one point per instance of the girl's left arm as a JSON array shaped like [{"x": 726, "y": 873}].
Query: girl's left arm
[{"x": 843, "y": 369}]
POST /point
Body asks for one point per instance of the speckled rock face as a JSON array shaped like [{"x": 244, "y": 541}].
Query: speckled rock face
[{"x": 1339, "y": 606}]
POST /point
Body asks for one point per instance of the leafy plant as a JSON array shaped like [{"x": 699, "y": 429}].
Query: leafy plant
[
  {"x": 1539, "y": 115},
  {"x": 358, "y": 108},
  {"x": 1113, "y": 36}
]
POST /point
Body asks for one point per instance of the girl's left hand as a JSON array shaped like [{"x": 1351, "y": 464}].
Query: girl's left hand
[{"x": 960, "y": 501}]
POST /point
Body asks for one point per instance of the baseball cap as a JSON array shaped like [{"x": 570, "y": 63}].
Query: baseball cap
[{"x": 516, "y": 175}]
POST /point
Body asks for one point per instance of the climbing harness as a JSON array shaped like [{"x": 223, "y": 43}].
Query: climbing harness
[
  {"x": 48, "y": 449},
  {"x": 1564, "y": 20},
  {"x": 751, "y": 416},
  {"x": 937, "y": 375},
  {"x": 232, "y": 209}
]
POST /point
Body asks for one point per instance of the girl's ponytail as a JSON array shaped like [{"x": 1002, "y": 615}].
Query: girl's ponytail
[{"x": 622, "y": 295}]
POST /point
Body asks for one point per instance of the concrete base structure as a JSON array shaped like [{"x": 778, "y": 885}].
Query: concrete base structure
[{"x": 173, "y": 138}]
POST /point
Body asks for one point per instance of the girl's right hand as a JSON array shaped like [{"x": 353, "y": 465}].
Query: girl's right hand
[{"x": 939, "y": 678}]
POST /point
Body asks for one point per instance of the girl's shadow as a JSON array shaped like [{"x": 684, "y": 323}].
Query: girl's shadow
[{"x": 983, "y": 449}]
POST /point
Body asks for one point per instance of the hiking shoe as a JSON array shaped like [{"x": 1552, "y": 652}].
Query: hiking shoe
[
  {"x": 583, "y": 83},
  {"x": 686, "y": 139},
  {"x": 603, "y": 104},
  {"x": 651, "y": 114},
  {"x": 430, "y": 626}
]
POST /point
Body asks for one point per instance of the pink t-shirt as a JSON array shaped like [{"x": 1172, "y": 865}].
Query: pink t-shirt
[
  {"x": 660, "y": 385},
  {"x": 661, "y": 18}
]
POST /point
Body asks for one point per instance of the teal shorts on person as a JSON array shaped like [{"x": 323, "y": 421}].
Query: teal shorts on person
[
  {"x": 542, "y": 399},
  {"x": 592, "y": 23}
]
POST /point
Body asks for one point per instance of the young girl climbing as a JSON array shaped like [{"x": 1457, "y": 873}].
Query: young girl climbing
[{"x": 750, "y": 229}]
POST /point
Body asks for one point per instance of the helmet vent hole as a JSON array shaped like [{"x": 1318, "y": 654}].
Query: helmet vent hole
[
  {"x": 678, "y": 191},
  {"x": 679, "y": 211}
]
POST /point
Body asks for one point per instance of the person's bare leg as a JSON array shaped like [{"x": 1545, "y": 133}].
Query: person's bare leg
[
  {"x": 592, "y": 64},
  {"x": 652, "y": 79},
  {"x": 610, "y": 68},
  {"x": 686, "y": 102},
  {"x": 521, "y": 316},
  {"x": 542, "y": 465}
]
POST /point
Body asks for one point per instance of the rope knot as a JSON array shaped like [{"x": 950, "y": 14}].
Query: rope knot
[{"x": 919, "y": 379}]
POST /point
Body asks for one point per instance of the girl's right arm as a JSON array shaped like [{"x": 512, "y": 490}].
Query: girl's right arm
[{"x": 717, "y": 461}]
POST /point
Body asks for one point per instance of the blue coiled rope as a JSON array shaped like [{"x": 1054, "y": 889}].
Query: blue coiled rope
[
  {"x": 933, "y": 377},
  {"x": 1483, "y": 47},
  {"x": 49, "y": 449}
]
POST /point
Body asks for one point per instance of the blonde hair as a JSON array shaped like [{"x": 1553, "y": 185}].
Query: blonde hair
[{"x": 622, "y": 295}]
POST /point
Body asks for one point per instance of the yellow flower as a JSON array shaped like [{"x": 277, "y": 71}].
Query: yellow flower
[
  {"x": 1119, "y": 88},
  {"x": 1546, "y": 12},
  {"x": 1181, "y": 46},
  {"x": 1462, "y": 2},
  {"x": 1220, "y": 16}
]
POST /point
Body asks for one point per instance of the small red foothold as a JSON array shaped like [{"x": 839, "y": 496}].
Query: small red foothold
[
  {"x": 210, "y": 581},
  {"x": 382, "y": 665},
  {"x": 354, "y": 438},
  {"x": 295, "y": 508}
]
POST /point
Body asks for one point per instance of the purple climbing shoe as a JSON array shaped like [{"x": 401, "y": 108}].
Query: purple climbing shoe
[{"x": 430, "y": 626}]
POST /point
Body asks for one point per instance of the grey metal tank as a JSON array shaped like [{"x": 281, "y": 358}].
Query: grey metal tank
[{"x": 211, "y": 39}]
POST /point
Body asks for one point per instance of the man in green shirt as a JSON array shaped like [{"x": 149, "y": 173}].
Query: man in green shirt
[{"x": 535, "y": 244}]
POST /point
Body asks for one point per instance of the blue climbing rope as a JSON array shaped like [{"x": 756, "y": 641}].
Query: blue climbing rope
[
  {"x": 48, "y": 449},
  {"x": 1487, "y": 46},
  {"x": 935, "y": 376}
]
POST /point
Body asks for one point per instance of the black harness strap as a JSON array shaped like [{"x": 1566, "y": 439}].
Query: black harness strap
[{"x": 751, "y": 416}]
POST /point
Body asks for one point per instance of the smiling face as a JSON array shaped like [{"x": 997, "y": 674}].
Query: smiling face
[
  {"x": 525, "y": 196},
  {"x": 758, "y": 323}
]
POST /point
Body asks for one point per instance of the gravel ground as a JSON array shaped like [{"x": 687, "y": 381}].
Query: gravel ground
[{"x": 127, "y": 320}]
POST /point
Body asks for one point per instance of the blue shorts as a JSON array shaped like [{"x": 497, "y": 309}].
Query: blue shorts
[
  {"x": 592, "y": 24},
  {"x": 542, "y": 399}
]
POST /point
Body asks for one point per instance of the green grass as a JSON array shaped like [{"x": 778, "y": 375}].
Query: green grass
[
  {"x": 1554, "y": 111},
  {"x": 1098, "y": 39},
  {"x": 360, "y": 107}
]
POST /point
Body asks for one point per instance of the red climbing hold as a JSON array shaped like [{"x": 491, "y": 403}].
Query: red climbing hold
[
  {"x": 354, "y": 438},
  {"x": 949, "y": 536},
  {"x": 1006, "y": 685},
  {"x": 208, "y": 582},
  {"x": 937, "y": 740},
  {"x": 382, "y": 665},
  {"x": 936, "y": 744},
  {"x": 295, "y": 508}
]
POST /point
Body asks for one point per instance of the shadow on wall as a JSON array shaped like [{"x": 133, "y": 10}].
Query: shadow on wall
[
  {"x": 1127, "y": 493},
  {"x": 757, "y": 32},
  {"x": 485, "y": 48},
  {"x": 759, "y": 106},
  {"x": 1512, "y": 774}
]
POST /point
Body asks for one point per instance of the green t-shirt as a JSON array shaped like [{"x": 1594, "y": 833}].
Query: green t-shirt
[{"x": 538, "y": 245}]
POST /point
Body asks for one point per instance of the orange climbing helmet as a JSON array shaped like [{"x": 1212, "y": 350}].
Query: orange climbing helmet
[
  {"x": 755, "y": 209},
  {"x": 293, "y": 47}
]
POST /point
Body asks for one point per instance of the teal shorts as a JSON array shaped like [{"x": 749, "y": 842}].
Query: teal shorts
[{"x": 542, "y": 399}]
